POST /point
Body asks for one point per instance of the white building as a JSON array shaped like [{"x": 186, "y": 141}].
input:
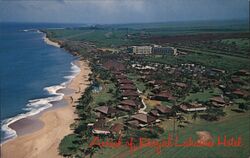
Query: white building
[
  {"x": 142, "y": 49},
  {"x": 191, "y": 107},
  {"x": 175, "y": 51}
]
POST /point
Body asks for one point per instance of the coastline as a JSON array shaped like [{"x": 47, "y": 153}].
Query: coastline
[
  {"x": 45, "y": 141},
  {"x": 46, "y": 129},
  {"x": 21, "y": 121},
  {"x": 49, "y": 42}
]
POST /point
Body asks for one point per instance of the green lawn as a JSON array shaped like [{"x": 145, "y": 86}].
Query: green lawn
[
  {"x": 168, "y": 59},
  {"x": 221, "y": 61},
  {"x": 100, "y": 37},
  {"x": 167, "y": 103},
  {"x": 103, "y": 95},
  {"x": 203, "y": 96},
  {"x": 139, "y": 84},
  {"x": 240, "y": 42},
  {"x": 230, "y": 126}
]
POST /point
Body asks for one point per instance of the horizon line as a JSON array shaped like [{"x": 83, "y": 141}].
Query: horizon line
[{"x": 177, "y": 21}]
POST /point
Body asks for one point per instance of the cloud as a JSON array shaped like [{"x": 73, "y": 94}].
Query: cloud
[{"x": 120, "y": 11}]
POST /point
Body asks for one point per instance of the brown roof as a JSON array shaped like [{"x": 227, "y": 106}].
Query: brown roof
[
  {"x": 159, "y": 82},
  {"x": 105, "y": 109},
  {"x": 163, "y": 109},
  {"x": 99, "y": 115},
  {"x": 100, "y": 124},
  {"x": 125, "y": 81},
  {"x": 127, "y": 87},
  {"x": 240, "y": 92},
  {"x": 165, "y": 94},
  {"x": 128, "y": 93},
  {"x": 218, "y": 100},
  {"x": 133, "y": 123},
  {"x": 214, "y": 82},
  {"x": 236, "y": 80},
  {"x": 244, "y": 72},
  {"x": 180, "y": 84},
  {"x": 116, "y": 128},
  {"x": 114, "y": 65},
  {"x": 120, "y": 76},
  {"x": 144, "y": 118},
  {"x": 128, "y": 102},
  {"x": 156, "y": 82},
  {"x": 116, "y": 72},
  {"x": 154, "y": 112},
  {"x": 124, "y": 107}
]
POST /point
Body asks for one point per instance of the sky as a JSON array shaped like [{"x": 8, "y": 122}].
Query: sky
[{"x": 121, "y": 11}]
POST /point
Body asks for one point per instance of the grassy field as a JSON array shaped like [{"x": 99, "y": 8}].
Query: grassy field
[
  {"x": 227, "y": 62},
  {"x": 212, "y": 60},
  {"x": 242, "y": 43},
  {"x": 103, "y": 96},
  {"x": 202, "y": 96},
  {"x": 140, "y": 34},
  {"x": 139, "y": 84},
  {"x": 109, "y": 38},
  {"x": 237, "y": 124},
  {"x": 167, "y": 103}
]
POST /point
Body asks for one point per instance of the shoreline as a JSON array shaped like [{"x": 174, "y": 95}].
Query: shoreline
[
  {"x": 49, "y": 42},
  {"x": 57, "y": 91},
  {"x": 45, "y": 130},
  {"x": 11, "y": 125},
  {"x": 44, "y": 142}
]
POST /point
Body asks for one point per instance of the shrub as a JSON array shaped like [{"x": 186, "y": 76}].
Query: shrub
[{"x": 68, "y": 145}]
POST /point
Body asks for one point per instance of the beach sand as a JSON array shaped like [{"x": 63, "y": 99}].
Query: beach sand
[
  {"x": 44, "y": 142},
  {"x": 49, "y": 42}
]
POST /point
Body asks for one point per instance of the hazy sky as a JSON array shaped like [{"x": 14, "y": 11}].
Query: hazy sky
[{"x": 121, "y": 11}]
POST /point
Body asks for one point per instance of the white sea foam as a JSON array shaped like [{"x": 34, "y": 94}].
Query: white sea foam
[
  {"x": 75, "y": 71},
  {"x": 30, "y": 30},
  {"x": 35, "y": 106}
]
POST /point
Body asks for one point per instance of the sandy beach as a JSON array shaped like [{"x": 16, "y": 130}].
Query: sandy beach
[
  {"x": 44, "y": 142},
  {"x": 49, "y": 42}
]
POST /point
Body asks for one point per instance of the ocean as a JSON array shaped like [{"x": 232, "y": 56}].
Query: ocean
[{"x": 31, "y": 72}]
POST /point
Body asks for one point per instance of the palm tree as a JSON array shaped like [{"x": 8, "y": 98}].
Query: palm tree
[
  {"x": 194, "y": 116},
  {"x": 242, "y": 106},
  {"x": 92, "y": 151},
  {"x": 180, "y": 120},
  {"x": 82, "y": 151},
  {"x": 174, "y": 110},
  {"x": 214, "y": 113}
]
